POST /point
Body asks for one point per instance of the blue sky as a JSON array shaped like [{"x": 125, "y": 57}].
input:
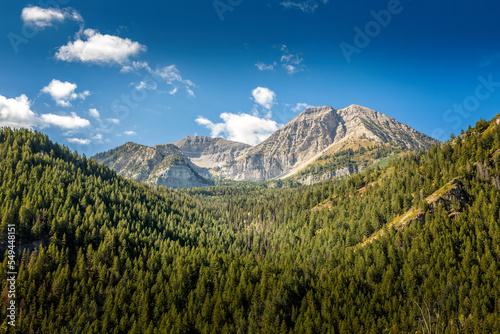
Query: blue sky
[{"x": 96, "y": 74}]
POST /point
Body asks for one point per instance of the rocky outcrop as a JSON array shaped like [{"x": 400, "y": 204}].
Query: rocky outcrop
[
  {"x": 177, "y": 176},
  {"x": 164, "y": 165},
  {"x": 209, "y": 152},
  {"x": 451, "y": 196}
]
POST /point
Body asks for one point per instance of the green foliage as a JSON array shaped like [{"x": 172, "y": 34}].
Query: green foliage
[
  {"x": 351, "y": 158},
  {"x": 118, "y": 257}
]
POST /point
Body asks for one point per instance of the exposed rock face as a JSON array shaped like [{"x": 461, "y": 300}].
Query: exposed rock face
[
  {"x": 301, "y": 139},
  {"x": 312, "y": 132},
  {"x": 448, "y": 196},
  {"x": 450, "y": 193},
  {"x": 451, "y": 196},
  {"x": 178, "y": 176},
  {"x": 164, "y": 165},
  {"x": 209, "y": 152}
]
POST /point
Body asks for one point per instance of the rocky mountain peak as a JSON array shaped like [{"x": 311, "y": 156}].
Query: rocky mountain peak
[
  {"x": 357, "y": 111},
  {"x": 317, "y": 110},
  {"x": 314, "y": 133}
]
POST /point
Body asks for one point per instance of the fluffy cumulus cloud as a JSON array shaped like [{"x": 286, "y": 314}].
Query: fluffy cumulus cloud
[
  {"x": 64, "y": 92},
  {"x": 169, "y": 75},
  {"x": 92, "y": 47},
  {"x": 307, "y": 6},
  {"x": 244, "y": 128},
  {"x": 66, "y": 122},
  {"x": 94, "y": 113},
  {"x": 46, "y": 17},
  {"x": 264, "y": 97},
  {"x": 16, "y": 113},
  {"x": 130, "y": 133}
]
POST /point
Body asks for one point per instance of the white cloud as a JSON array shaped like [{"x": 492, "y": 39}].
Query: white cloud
[
  {"x": 169, "y": 74},
  {"x": 291, "y": 62},
  {"x": 130, "y": 133},
  {"x": 300, "y": 107},
  {"x": 16, "y": 113},
  {"x": 307, "y": 6},
  {"x": 42, "y": 18},
  {"x": 264, "y": 67},
  {"x": 136, "y": 65},
  {"x": 65, "y": 122},
  {"x": 79, "y": 141},
  {"x": 64, "y": 92},
  {"x": 264, "y": 97},
  {"x": 96, "y": 48},
  {"x": 147, "y": 84},
  {"x": 94, "y": 113},
  {"x": 114, "y": 120},
  {"x": 172, "y": 76},
  {"x": 242, "y": 128},
  {"x": 97, "y": 137}
]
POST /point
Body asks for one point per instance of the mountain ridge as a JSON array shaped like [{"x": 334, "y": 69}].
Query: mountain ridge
[
  {"x": 208, "y": 152},
  {"x": 100, "y": 247},
  {"x": 312, "y": 134},
  {"x": 162, "y": 164}
]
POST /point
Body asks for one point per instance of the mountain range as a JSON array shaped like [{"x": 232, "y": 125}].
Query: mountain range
[
  {"x": 412, "y": 246},
  {"x": 310, "y": 148}
]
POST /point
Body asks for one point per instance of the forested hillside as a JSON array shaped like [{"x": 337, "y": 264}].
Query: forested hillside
[{"x": 119, "y": 257}]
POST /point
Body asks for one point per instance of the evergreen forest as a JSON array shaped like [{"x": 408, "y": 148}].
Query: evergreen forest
[{"x": 394, "y": 249}]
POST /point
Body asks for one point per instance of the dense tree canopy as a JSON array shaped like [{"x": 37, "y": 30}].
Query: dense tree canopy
[{"x": 118, "y": 257}]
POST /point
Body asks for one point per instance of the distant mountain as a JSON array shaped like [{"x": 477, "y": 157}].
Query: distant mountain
[
  {"x": 319, "y": 131},
  {"x": 209, "y": 152},
  {"x": 407, "y": 248},
  {"x": 164, "y": 165},
  {"x": 310, "y": 147}
]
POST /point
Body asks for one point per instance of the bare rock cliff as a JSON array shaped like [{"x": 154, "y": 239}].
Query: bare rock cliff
[
  {"x": 163, "y": 164},
  {"x": 312, "y": 132}
]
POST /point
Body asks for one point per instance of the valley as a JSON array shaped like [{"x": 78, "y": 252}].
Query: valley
[{"x": 419, "y": 230}]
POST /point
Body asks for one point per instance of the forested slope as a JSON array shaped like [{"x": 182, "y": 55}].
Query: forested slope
[{"x": 118, "y": 257}]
